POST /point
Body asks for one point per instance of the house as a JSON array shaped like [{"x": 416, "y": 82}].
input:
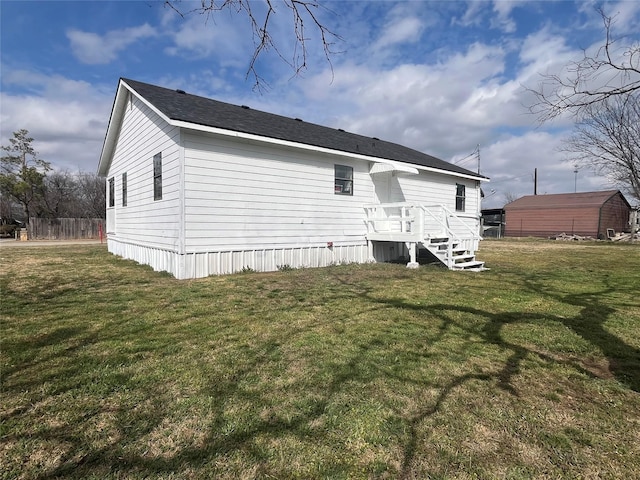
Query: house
[
  {"x": 198, "y": 187},
  {"x": 592, "y": 214}
]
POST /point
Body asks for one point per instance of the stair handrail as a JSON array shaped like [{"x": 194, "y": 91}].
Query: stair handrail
[
  {"x": 475, "y": 235},
  {"x": 437, "y": 218}
]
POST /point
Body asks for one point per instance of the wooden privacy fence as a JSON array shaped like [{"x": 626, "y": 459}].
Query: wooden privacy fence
[{"x": 64, "y": 228}]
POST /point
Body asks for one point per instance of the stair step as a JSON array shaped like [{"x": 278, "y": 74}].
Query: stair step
[
  {"x": 471, "y": 265},
  {"x": 455, "y": 251},
  {"x": 466, "y": 257},
  {"x": 437, "y": 244},
  {"x": 438, "y": 241},
  {"x": 444, "y": 246}
]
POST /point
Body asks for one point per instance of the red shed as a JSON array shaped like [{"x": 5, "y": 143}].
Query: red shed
[{"x": 585, "y": 214}]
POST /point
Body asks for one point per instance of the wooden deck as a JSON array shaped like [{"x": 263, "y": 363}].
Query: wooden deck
[{"x": 450, "y": 237}]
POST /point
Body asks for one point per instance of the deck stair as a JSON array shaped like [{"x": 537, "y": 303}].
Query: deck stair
[
  {"x": 451, "y": 255},
  {"x": 446, "y": 236}
]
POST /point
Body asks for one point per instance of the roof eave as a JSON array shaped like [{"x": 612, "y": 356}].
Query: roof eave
[
  {"x": 329, "y": 151},
  {"x": 115, "y": 122}
]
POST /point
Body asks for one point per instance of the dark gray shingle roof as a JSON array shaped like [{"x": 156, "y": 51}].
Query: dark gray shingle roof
[{"x": 181, "y": 106}]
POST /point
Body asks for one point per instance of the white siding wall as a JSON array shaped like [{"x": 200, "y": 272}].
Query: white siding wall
[
  {"x": 245, "y": 196},
  {"x": 436, "y": 189},
  {"x": 143, "y": 221}
]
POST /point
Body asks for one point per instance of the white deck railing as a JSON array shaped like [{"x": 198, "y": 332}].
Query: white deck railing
[{"x": 408, "y": 222}]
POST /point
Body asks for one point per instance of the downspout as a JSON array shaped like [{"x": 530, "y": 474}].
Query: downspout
[{"x": 182, "y": 260}]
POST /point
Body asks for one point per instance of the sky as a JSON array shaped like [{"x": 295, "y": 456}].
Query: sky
[{"x": 448, "y": 78}]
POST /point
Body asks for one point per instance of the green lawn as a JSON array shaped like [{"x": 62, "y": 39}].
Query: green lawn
[{"x": 531, "y": 369}]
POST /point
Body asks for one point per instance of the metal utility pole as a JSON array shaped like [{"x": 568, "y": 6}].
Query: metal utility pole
[
  {"x": 575, "y": 181},
  {"x": 535, "y": 181}
]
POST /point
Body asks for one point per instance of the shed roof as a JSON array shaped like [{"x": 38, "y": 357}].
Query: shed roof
[
  {"x": 180, "y": 106},
  {"x": 563, "y": 200}
]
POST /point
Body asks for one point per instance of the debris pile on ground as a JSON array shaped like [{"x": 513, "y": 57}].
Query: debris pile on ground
[
  {"x": 615, "y": 237},
  {"x": 566, "y": 237},
  {"x": 625, "y": 237}
]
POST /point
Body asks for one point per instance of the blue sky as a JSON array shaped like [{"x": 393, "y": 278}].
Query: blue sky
[{"x": 441, "y": 77}]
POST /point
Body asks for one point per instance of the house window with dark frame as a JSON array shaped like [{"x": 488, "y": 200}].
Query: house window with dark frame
[
  {"x": 460, "y": 197},
  {"x": 343, "y": 184},
  {"x": 124, "y": 189},
  {"x": 112, "y": 192},
  {"x": 157, "y": 176}
]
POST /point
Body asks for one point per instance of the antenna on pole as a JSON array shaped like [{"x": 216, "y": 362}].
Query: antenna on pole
[
  {"x": 478, "y": 151},
  {"x": 575, "y": 181}
]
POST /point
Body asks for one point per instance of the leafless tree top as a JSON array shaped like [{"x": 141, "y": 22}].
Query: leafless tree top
[
  {"x": 608, "y": 73},
  {"x": 304, "y": 14}
]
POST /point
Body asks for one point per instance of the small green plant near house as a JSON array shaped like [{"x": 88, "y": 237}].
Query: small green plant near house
[
  {"x": 530, "y": 370},
  {"x": 247, "y": 269}
]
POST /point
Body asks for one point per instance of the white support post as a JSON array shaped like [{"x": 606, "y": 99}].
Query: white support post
[{"x": 413, "y": 260}]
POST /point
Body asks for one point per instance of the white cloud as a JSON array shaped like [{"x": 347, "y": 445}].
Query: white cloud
[
  {"x": 401, "y": 30},
  {"x": 437, "y": 108},
  {"x": 477, "y": 12},
  {"x": 503, "y": 20},
  {"x": 472, "y": 15},
  {"x": 625, "y": 16},
  {"x": 93, "y": 49},
  {"x": 196, "y": 37},
  {"x": 66, "y": 118},
  {"x": 223, "y": 36}
]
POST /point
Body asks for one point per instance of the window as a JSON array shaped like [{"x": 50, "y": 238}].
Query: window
[
  {"x": 157, "y": 176},
  {"x": 460, "y": 197},
  {"x": 112, "y": 192},
  {"x": 124, "y": 189},
  {"x": 343, "y": 180}
]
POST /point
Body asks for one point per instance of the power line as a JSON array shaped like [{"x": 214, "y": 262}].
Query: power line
[
  {"x": 475, "y": 153},
  {"x": 512, "y": 178}
]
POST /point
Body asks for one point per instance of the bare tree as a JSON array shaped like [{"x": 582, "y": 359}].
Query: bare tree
[
  {"x": 607, "y": 139},
  {"x": 68, "y": 195},
  {"x": 61, "y": 196},
  {"x": 510, "y": 197},
  {"x": 91, "y": 196},
  {"x": 611, "y": 72},
  {"x": 260, "y": 16}
]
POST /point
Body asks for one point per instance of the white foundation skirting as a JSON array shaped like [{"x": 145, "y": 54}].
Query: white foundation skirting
[
  {"x": 159, "y": 259},
  {"x": 198, "y": 265}
]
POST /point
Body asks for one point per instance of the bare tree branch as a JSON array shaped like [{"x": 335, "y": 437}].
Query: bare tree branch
[
  {"x": 302, "y": 11},
  {"x": 592, "y": 80},
  {"x": 607, "y": 140}
]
